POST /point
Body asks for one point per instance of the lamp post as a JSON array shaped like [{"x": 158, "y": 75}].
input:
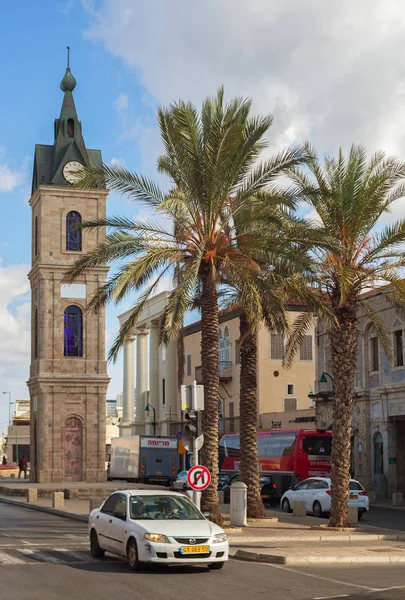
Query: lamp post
[
  {"x": 323, "y": 379},
  {"x": 148, "y": 408},
  {"x": 9, "y": 407}
]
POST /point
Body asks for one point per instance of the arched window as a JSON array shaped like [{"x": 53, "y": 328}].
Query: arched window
[
  {"x": 36, "y": 237},
  {"x": 73, "y": 235},
  {"x": 73, "y": 331},
  {"x": 70, "y": 128},
  {"x": 378, "y": 454},
  {"x": 36, "y": 334},
  {"x": 221, "y": 345},
  {"x": 227, "y": 346}
]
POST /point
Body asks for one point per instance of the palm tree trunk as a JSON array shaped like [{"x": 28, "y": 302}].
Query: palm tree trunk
[
  {"x": 249, "y": 458},
  {"x": 344, "y": 343},
  {"x": 210, "y": 377}
]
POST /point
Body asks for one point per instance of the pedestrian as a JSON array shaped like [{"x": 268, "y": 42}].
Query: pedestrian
[
  {"x": 4, "y": 461},
  {"x": 22, "y": 465}
]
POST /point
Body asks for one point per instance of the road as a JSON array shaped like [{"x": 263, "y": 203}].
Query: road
[{"x": 43, "y": 557}]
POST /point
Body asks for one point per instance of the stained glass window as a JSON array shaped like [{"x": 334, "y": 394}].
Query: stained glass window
[
  {"x": 73, "y": 235},
  {"x": 73, "y": 331}
]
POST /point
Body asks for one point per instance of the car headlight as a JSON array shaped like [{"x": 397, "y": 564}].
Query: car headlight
[
  {"x": 157, "y": 537},
  {"x": 220, "y": 537}
]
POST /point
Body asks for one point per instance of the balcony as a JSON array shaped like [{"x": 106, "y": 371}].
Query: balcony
[{"x": 225, "y": 372}]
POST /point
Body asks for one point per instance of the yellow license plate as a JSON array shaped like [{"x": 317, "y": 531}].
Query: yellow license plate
[
  {"x": 195, "y": 549},
  {"x": 352, "y": 497}
]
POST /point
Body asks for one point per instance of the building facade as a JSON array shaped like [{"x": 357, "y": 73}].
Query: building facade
[
  {"x": 378, "y": 427},
  {"x": 68, "y": 374}
]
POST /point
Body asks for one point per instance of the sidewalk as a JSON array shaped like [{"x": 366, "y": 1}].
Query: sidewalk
[{"x": 286, "y": 540}]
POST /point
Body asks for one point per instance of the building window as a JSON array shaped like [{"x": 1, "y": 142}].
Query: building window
[
  {"x": 378, "y": 454},
  {"x": 73, "y": 235},
  {"x": 163, "y": 391},
  {"x": 398, "y": 348},
  {"x": 36, "y": 237},
  {"x": 73, "y": 331},
  {"x": 374, "y": 354},
  {"x": 188, "y": 365},
  {"x": 306, "y": 348},
  {"x": 237, "y": 352},
  {"x": 276, "y": 346},
  {"x": 290, "y": 389},
  {"x": 290, "y": 404},
  {"x": 227, "y": 346},
  {"x": 70, "y": 128},
  {"x": 36, "y": 335}
]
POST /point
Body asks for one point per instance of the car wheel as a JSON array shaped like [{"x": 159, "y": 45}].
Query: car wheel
[
  {"x": 216, "y": 566},
  {"x": 95, "y": 549},
  {"x": 285, "y": 507},
  {"x": 132, "y": 555},
  {"x": 317, "y": 509}
]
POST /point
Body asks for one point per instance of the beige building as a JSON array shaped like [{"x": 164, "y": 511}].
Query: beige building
[
  {"x": 279, "y": 389},
  {"x": 68, "y": 374}
]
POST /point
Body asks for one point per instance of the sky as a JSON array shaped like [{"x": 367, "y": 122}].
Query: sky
[{"x": 332, "y": 73}]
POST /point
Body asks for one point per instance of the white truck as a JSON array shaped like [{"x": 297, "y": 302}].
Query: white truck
[{"x": 144, "y": 459}]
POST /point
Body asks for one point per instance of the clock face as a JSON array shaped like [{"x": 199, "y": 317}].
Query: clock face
[{"x": 70, "y": 171}]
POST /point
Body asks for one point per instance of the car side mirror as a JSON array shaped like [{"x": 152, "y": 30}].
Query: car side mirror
[
  {"x": 207, "y": 515},
  {"x": 120, "y": 515}
]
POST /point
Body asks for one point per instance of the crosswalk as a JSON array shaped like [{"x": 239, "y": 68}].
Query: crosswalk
[{"x": 13, "y": 555}]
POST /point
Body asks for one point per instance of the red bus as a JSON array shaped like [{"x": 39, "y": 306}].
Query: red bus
[{"x": 288, "y": 455}]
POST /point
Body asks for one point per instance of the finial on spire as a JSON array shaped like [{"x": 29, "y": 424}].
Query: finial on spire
[{"x": 68, "y": 83}]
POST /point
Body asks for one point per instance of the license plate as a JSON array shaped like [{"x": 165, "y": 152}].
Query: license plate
[
  {"x": 195, "y": 549},
  {"x": 352, "y": 497}
]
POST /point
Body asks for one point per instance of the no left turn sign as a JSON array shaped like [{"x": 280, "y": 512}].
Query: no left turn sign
[{"x": 199, "y": 478}]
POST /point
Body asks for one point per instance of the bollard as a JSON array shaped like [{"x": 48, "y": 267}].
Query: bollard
[
  {"x": 397, "y": 499},
  {"x": 299, "y": 508},
  {"x": 221, "y": 497},
  {"x": 95, "y": 502},
  {"x": 58, "y": 500},
  {"x": 238, "y": 504},
  {"x": 32, "y": 496},
  {"x": 353, "y": 516}
]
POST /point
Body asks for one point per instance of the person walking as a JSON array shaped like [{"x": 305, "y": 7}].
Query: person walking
[{"x": 22, "y": 465}]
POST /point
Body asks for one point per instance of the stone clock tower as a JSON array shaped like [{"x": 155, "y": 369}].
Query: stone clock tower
[{"x": 68, "y": 374}]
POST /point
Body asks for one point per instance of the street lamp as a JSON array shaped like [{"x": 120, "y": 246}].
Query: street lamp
[
  {"x": 148, "y": 408},
  {"x": 323, "y": 379},
  {"x": 9, "y": 405}
]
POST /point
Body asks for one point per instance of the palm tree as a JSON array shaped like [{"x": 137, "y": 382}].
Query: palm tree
[
  {"x": 350, "y": 194},
  {"x": 211, "y": 161}
]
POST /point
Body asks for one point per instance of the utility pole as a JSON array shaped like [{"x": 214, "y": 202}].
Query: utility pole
[{"x": 196, "y": 494}]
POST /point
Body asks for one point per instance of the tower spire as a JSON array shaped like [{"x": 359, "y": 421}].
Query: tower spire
[{"x": 68, "y": 56}]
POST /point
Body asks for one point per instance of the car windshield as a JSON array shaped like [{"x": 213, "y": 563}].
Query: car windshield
[{"x": 163, "y": 507}]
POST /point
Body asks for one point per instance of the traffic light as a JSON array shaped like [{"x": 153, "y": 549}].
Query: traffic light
[{"x": 191, "y": 428}]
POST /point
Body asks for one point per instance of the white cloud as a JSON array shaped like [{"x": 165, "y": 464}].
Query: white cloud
[
  {"x": 330, "y": 72},
  {"x": 9, "y": 178},
  {"x": 15, "y": 314},
  {"x": 121, "y": 103}
]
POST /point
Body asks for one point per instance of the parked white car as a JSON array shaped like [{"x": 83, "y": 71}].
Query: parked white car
[
  {"x": 149, "y": 526},
  {"x": 316, "y": 491},
  {"x": 180, "y": 482}
]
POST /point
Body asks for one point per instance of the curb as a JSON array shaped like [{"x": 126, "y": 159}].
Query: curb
[
  {"x": 279, "y": 559},
  {"x": 400, "y": 537},
  {"x": 47, "y": 509}
]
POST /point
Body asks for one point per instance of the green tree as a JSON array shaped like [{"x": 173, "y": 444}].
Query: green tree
[
  {"x": 350, "y": 194},
  {"x": 211, "y": 160}
]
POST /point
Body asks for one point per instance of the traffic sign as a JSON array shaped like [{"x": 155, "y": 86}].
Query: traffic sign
[
  {"x": 179, "y": 435},
  {"x": 198, "y": 478}
]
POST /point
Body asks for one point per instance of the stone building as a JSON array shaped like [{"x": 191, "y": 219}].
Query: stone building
[
  {"x": 378, "y": 427},
  {"x": 279, "y": 389},
  {"x": 68, "y": 373}
]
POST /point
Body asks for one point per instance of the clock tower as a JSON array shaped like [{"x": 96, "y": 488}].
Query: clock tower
[{"x": 68, "y": 373}]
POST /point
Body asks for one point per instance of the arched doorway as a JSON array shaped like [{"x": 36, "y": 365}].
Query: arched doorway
[{"x": 73, "y": 450}]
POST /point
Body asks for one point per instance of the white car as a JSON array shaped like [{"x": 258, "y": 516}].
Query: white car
[
  {"x": 181, "y": 482},
  {"x": 149, "y": 526},
  {"x": 316, "y": 491}
]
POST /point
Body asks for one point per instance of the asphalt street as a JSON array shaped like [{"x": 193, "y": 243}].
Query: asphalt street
[{"x": 43, "y": 557}]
